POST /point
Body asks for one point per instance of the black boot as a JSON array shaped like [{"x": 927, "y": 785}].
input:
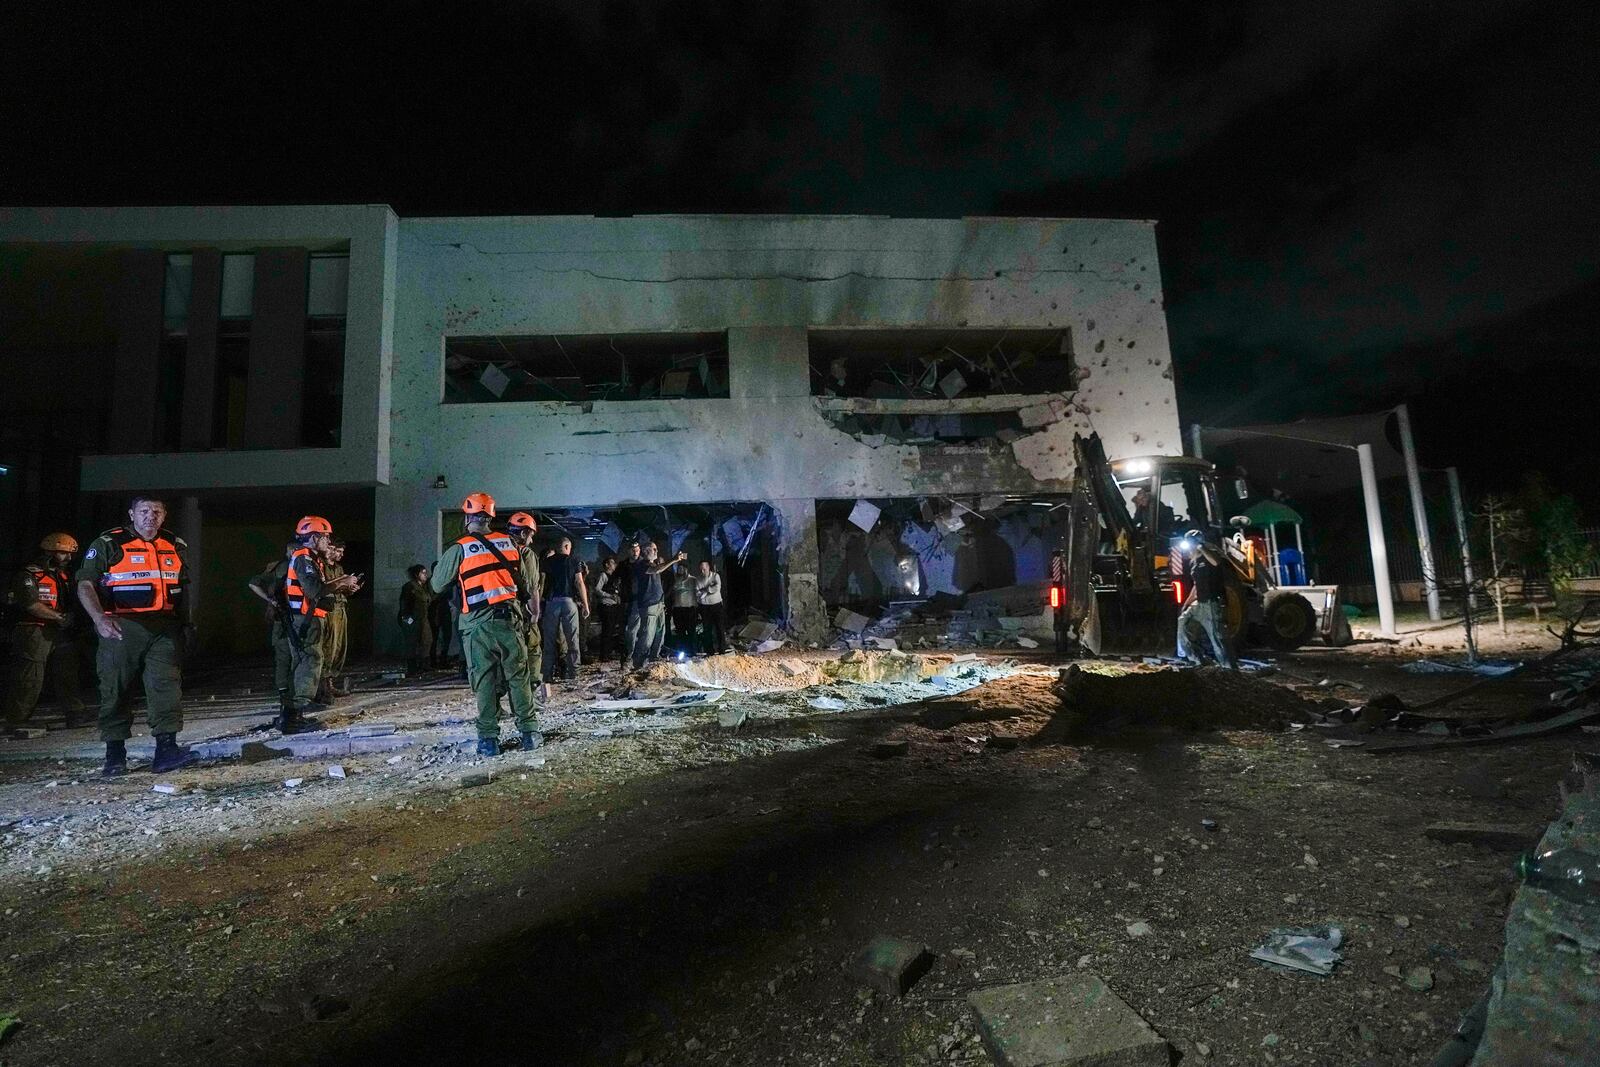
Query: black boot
[
  {"x": 296, "y": 721},
  {"x": 116, "y": 759},
  {"x": 170, "y": 756}
]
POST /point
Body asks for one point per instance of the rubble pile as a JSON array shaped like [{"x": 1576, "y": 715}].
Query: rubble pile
[{"x": 1208, "y": 698}]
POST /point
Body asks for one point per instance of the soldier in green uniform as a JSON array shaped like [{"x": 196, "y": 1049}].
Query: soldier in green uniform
[
  {"x": 268, "y": 585},
  {"x": 520, "y": 528},
  {"x": 42, "y": 639},
  {"x": 132, "y": 583},
  {"x": 484, "y": 566},
  {"x": 415, "y": 618},
  {"x": 336, "y": 627},
  {"x": 309, "y": 595}
]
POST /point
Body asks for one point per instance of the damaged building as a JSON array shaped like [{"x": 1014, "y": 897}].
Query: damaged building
[{"x": 845, "y": 413}]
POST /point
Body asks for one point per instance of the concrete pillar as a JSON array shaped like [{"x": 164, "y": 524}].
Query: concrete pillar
[
  {"x": 1380, "y": 550},
  {"x": 200, "y": 359},
  {"x": 136, "y": 374},
  {"x": 186, "y": 524},
  {"x": 799, "y": 560},
  {"x": 275, "y": 383},
  {"x": 1419, "y": 511},
  {"x": 1195, "y": 443},
  {"x": 768, "y": 362},
  {"x": 1459, "y": 510}
]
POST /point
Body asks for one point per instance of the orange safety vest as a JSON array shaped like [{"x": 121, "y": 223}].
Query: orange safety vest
[
  {"x": 484, "y": 580},
  {"x": 49, "y": 585},
  {"x": 291, "y": 585},
  {"x": 145, "y": 578}
]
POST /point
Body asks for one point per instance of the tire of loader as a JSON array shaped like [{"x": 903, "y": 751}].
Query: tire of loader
[{"x": 1290, "y": 622}]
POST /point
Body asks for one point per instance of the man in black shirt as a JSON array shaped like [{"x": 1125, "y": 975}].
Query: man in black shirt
[
  {"x": 566, "y": 604},
  {"x": 1201, "y": 617}
]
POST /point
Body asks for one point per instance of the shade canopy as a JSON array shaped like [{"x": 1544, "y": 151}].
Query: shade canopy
[
  {"x": 1269, "y": 512},
  {"x": 1309, "y": 458}
]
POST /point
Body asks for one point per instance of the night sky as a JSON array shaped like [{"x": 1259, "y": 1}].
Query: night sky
[{"x": 1397, "y": 205}]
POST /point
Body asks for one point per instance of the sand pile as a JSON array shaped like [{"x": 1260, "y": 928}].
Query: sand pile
[{"x": 1025, "y": 697}]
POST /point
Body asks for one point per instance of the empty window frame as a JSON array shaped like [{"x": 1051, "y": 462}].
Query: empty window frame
[
  {"x": 584, "y": 367},
  {"x": 939, "y": 364}
]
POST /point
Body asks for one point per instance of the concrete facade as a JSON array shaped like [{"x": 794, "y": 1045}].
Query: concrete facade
[{"x": 764, "y": 281}]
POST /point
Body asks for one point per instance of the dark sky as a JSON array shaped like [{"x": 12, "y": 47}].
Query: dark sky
[{"x": 1359, "y": 203}]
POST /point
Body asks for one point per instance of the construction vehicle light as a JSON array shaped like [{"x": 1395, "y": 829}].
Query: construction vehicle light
[
  {"x": 1137, "y": 466},
  {"x": 1185, "y": 545},
  {"x": 1177, "y": 592},
  {"x": 1055, "y": 596}
]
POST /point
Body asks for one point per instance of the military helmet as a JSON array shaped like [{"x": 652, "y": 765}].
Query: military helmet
[{"x": 59, "y": 542}]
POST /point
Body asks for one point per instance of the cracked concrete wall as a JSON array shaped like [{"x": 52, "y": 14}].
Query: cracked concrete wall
[{"x": 766, "y": 280}]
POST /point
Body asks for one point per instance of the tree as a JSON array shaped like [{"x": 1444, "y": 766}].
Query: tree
[
  {"x": 1506, "y": 528},
  {"x": 1559, "y": 547}
]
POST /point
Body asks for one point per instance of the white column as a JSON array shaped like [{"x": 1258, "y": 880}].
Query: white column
[
  {"x": 1380, "y": 551},
  {"x": 1194, "y": 438},
  {"x": 1462, "y": 536},
  {"x": 1408, "y": 449}
]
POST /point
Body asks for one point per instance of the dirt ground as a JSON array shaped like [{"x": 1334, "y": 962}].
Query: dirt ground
[{"x": 666, "y": 889}]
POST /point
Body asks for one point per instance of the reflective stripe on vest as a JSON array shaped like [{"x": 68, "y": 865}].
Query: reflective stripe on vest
[
  {"x": 292, "y": 592},
  {"x": 484, "y": 580},
  {"x": 145, "y": 578}
]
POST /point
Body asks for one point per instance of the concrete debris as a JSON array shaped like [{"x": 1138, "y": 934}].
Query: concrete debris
[
  {"x": 693, "y": 697},
  {"x": 474, "y": 779},
  {"x": 1071, "y": 1021},
  {"x": 335, "y": 771},
  {"x": 163, "y": 787},
  {"x": 1489, "y": 835},
  {"x": 1420, "y": 979},
  {"x": 292, "y": 783},
  {"x": 795, "y": 667},
  {"x": 771, "y": 644},
  {"x": 1140, "y": 929},
  {"x": 733, "y": 719},
  {"x": 827, "y": 704},
  {"x": 850, "y": 621},
  {"x": 891, "y": 965}
]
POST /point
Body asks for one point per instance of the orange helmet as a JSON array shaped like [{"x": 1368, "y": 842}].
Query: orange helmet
[
  {"x": 478, "y": 504},
  {"x": 312, "y": 524},
  {"x": 522, "y": 521},
  {"x": 59, "y": 542}
]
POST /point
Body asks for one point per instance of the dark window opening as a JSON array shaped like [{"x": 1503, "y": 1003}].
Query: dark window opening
[
  {"x": 583, "y": 367},
  {"x": 323, "y": 409},
  {"x": 233, "y": 368},
  {"x": 940, "y": 364},
  {"x": 169, "y": 391}
]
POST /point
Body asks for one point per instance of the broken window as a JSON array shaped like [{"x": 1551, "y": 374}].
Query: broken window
[
  {"x": 586, "y": 367},
  {"x": 940, "y": 364}
]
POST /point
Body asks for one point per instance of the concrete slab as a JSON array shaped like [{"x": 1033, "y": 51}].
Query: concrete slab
[
  {"x": 891, "y": 965},
  {"x": 1071, "y": 1021}
]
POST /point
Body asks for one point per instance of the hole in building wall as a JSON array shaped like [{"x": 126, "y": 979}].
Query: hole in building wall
[
  {"x": 922, "y": 364},
  {"x": 930, "y": 556},
  {"x": 584, "y": 367}
]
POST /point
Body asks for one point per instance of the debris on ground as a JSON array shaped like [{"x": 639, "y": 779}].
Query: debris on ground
[
  {"x": 891, "y": 965},
  {"x": 1072, "y": 1020},
  {"x": 1314, "y": 950},
  {"x": 1489, "y": 835},
  {"x": 1205, "y": 698}
]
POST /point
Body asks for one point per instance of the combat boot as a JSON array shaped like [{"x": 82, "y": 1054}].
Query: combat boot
[
  {"x": 116, "y": 759},
  {"x": 295, "y": 720},
  {"x": 488, "y": 746},
  {"x": 170, "y": 756},
  {"x": 531, "y": 739}
]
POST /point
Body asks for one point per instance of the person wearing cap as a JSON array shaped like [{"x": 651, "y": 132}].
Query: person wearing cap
[
  {"x": 133, "y": 584},
  {"x": 484, "y": 568},
  {"x": 521, "y": 528},
  {"x": 42, "y": 638},
  {"x": 309, "y": 594}
]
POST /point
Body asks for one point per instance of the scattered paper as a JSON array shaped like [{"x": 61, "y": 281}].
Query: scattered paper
[
  {"x": 163, "y": 787},
  {"x": 771, "y": 644},
  {"x": 865, "y": 514},
  {"x": 1313, "y": 950}
]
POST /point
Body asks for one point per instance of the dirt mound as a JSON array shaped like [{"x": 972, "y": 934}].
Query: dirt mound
[
  {"x": 894, "y": 666},
  {"x": 1021, "y": 696},
  {"x": 1209, "y": 698},
  {"x": 745, "y": 674}
]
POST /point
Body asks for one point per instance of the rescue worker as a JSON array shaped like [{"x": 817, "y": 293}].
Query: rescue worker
[
  {"x": 521, "y": 528},
  {"x": 484, "y": 566},
  {"x": 415, "y": 618},
  {"x": 133, "y": 583},
  {"x": 309, "y": 595},
  {"x": 42, "y": 638},
  {"x": 1203, "y": 609},
  {"x": 336, "y": 628},
  {"x": 269, "y": 586}
]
